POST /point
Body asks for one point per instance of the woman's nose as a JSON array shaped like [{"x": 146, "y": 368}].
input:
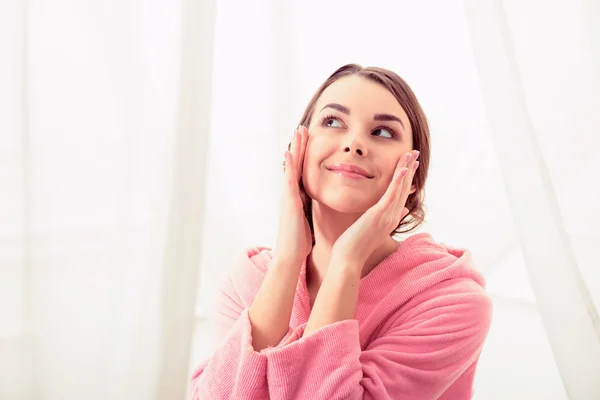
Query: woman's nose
[
  {"x": 352, "y": 149},
  {"x": 353, "y": 144}
]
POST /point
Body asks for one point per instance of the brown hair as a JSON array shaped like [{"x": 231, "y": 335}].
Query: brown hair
[{"x": 420, "y": 135}]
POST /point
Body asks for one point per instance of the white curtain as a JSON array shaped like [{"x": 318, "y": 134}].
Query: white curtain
[
  {"x": 141, "y": 147},
  {"x": 104, "y": 115}
]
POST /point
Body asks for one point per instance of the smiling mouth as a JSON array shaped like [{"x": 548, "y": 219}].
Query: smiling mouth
[{"x": 349, "y": 171}]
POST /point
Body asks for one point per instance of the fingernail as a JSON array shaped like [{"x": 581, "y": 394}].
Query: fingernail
[
  {"x": 408, "y": 157},
  {"x": 404, "y": 171},
  {"x": 417, "y": 152},
  {"x": 416, "y": 165}
]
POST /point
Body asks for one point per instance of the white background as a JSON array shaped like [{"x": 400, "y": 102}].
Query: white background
[{"x": 141, "y": 147}]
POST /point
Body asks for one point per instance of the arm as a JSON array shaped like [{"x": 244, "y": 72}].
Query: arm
[
  {"x": 239, "y": 368},
  {"x": 272, "y": 308},
  {"x": 420, "y": 354},
  {"x": 236, "y": 369},
  {"x": 336, "y": 299}
]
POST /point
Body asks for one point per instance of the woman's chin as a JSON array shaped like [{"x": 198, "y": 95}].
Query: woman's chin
[{"x": 346, "y": 204}]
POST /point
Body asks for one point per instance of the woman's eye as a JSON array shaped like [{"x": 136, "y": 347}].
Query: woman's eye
[
  {"x": 329, "y": 122},
  {"x": 383, "y": 133}
]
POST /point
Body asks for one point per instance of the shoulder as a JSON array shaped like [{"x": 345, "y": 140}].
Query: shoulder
[
  {"x": 439, "y": 335},
  {"x": 247, "y": 274},
  {"x": 254, "y": 260},
  {"x": 460, "y": 295},
  {"x": 459, "y": 304},
  {"x": 260, "y": 254},
  {"x": 440, "y": 281},
  {"x": 251, "y": 260},
  {"x": 429, "y": 262}
]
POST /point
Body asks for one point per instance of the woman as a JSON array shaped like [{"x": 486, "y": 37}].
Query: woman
[{"x": 340, "y": 309}]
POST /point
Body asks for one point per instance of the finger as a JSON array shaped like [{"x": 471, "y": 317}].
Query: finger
[
  {"x": 390, "y": 196},
  {"x": 407, "y": 184},
  {"x": 404, "y": 164},
  {"x": 394, "y": 199},
  {"x": 292, "y": 188},
  {"x": 303, "y": 131},
  {"x": 409, "y": 165},
  {"x": 398, "y": 200},
  {"x": 295, "y": 148},
  {"x": 295, "y": 144},
  {"x": 290, "y": 172}
]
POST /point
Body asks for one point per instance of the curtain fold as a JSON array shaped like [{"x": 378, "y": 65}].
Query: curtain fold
[
  {"x": 94, "y": 118},
  {"x": 563, "y": 297},
  {"x": 186, "y": 211}
]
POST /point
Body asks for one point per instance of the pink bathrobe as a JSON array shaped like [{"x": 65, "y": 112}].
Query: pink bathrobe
[{"x": 421, "y": 321}]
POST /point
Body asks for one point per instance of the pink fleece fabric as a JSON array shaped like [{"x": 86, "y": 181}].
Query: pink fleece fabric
[{"x": 420, "y": 324}]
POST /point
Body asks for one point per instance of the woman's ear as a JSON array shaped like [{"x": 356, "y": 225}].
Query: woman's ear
[{"x": 413, "y": 189}]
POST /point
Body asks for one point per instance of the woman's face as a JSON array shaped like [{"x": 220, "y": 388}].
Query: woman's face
[{"x": 357, "y": 124}]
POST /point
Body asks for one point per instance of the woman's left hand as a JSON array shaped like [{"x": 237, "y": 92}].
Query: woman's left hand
[{"x": 371, "y": 230}]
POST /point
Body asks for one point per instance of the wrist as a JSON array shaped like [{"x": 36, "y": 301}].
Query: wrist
[
  {"x": 345, "y": 264},
  {"x": 277, "y": 263}
]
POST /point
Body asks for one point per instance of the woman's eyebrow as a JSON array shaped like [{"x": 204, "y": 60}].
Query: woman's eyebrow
[
  {"x": 387, "y": 117},
  {"x": 338, "y": 107},
  {"x": 377, "y": 117}
]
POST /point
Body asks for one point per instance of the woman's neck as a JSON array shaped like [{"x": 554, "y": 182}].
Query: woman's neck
[{"x": 328, "y": 226}]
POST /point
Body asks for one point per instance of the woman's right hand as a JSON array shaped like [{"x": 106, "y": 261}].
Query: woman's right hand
[
  {"x": 294, "y": 238},
  {"x": 271, "y": 309}
]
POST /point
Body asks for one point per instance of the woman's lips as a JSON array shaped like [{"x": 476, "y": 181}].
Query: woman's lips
[{"x": 349, "y": 171}]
